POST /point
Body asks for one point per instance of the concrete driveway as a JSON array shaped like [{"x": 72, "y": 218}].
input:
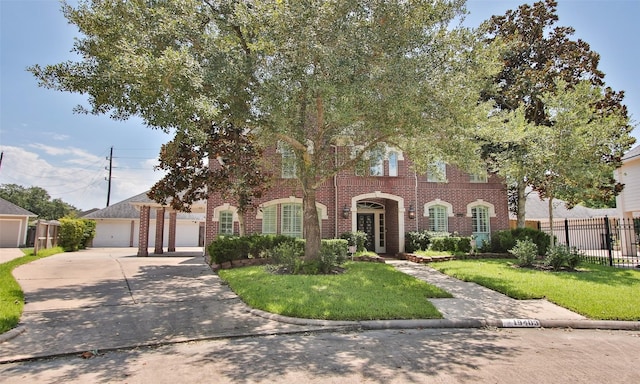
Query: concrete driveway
[
  {"x": 8, "y": 254},
  {"x": 106, "y": 298}
]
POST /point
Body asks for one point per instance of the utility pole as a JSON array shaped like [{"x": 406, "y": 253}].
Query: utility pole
[{"x": 110, "y": 158}]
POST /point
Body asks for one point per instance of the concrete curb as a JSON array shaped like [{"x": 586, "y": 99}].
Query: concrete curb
[
  {"x": 10, "y": 334},
  {"x": 455, "y": 323}
]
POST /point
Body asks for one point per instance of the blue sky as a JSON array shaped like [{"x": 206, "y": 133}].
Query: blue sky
[{"x": 45, "y": 144}]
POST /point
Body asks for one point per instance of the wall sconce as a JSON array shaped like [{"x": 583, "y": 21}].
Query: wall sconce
[
  {"x": 412, "y": 212},
  {"x": 346, "y": 212}
]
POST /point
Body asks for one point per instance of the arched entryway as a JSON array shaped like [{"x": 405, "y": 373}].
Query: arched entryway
[{"x": 382, "y": 217}]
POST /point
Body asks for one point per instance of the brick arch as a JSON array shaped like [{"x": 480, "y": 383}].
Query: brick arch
[
  {"x": 292, "y": 199},
  {"x": 381, "y": 195}
]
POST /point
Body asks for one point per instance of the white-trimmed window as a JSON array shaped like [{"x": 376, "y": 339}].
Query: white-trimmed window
[
  {"x": 291, "y": 224},
  {"x": 437, "y": 172},
  {"x": 438, "y": 219},
  {"x": 289, "y": 167},
  {"x": 478, "y": 178},
  {"x": 393, "y": 163},
  {"x": 376, "y": 164},
  {"x": 270, "y": 219},
  {"x": 480, "y": 219},
  {"x": 225, "y": 223}
]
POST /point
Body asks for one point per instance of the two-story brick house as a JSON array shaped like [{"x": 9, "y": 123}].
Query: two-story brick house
[{"x": 384, "y": 198}]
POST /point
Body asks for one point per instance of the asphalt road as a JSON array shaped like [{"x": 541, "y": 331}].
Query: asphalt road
[{"x": 391, "y": 356}]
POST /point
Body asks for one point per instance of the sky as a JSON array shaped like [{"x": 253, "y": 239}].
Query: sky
[{"x": 45, "y": 144}]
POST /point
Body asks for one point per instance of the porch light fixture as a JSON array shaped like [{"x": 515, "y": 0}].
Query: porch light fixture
[
  {"x": 345, "y": 212},
  {"x": 412, "y": 212}
]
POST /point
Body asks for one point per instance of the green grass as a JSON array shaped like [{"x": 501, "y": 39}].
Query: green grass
[
  {"x": 11, "y": 296},
  {"x": 597, "y": 292},
  {"x": 366, "y": 291}
]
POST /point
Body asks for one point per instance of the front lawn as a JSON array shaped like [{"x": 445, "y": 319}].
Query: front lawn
[
  {"x": 365, "y": 291},
  {"x": 597, "y": 292},
  {"x": 11, "y": 296}
]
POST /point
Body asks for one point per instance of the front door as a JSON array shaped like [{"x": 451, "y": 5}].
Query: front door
[{"x": 366, "y": 225}]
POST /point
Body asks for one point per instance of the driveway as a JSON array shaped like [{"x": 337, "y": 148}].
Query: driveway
[
  {"x": 107, "y": 298},
  {"x": 8, "y": 254}
]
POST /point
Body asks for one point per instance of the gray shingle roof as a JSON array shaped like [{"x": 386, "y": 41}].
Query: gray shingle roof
[
  {"x": 125, "y": 209},
  {"x": 8, "y": 208},
  {"x": 538, "y": 209},
  {"x": 633, "y": 153}
]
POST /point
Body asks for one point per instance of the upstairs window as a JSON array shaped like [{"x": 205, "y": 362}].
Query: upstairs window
[
  {"x": 393, "y": 164},
  {"x": 478, "y": 178},
  {"x": 437, "y": 172},
  {"x": 289, "y": 166}
]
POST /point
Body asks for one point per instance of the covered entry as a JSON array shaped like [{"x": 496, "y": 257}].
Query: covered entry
[{"x": 381, "y": 217}]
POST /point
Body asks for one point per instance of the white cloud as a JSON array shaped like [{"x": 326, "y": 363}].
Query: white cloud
[{"x": 78, "y": 182}]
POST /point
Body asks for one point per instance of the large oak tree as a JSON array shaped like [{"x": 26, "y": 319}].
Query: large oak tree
[
  {"x": 537, "y": 56},
  {"x": 310, "y": 75}
]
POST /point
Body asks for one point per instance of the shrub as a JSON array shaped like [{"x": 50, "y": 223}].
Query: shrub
[
  {"x": 227, "y": 248},
  {"x": 461, "y": 244},
  {"x": 416, "y": 241},
  {"x": 357, "y": 238},
  {"x": 561, "y": 255},
  {"x": 288, "y": 255},
  {"x": 503, "y": 241},
  {"x": 75, "y": 233},
  {"x": 525, "y": 251}
]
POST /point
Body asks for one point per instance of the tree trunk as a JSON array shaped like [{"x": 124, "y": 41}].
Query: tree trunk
[
  {"x": 311, "y": 225},
  {"x": 522, "y": 201}
]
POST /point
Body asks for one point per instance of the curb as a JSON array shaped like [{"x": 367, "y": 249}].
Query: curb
[
  {"x": 12, "y": 333},
  {"x": 455, "y": 323}
]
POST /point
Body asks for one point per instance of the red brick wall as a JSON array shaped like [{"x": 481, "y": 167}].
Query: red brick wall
[{"x": 416, "y": 191}]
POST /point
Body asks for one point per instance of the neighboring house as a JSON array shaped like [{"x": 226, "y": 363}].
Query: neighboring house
[
  {"x": 628, "y": 201},
  {"x": 118, "y": 225},
  {"x": 14, "y": 222},
  {"x": 383, "y": 198},
  {"x": 537, "y": 209}
]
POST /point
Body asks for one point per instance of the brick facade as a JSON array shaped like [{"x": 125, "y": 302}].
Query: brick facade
[{"x": 383, "y": 201}]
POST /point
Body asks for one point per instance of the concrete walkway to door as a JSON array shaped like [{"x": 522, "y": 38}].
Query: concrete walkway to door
[{"x": 108, "y": 298}]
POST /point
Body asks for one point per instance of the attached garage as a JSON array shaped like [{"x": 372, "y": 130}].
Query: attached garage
[{"x": 14, "y": 221}]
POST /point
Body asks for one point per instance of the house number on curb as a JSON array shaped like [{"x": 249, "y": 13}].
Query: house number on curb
[{"x": 520, "y": 323}]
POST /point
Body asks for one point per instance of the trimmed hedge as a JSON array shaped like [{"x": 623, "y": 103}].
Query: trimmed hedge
[
  {"x": 451, "y": 244},
  {"x": 503, "y": 241}
]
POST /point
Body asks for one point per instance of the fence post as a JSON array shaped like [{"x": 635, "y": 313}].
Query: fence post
[
  {"x": 607, "y": 234},
  {"x": 566, "y": 231}
]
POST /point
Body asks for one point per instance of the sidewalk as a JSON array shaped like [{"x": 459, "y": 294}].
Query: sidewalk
[{"x": 107, "y": 298}]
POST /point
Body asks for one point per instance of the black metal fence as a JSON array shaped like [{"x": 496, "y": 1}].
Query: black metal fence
[{"x": 607, "y": 241}]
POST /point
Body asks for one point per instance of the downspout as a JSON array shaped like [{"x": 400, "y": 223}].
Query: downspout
[
  {"x": 415, "y": 175},
  {"x": 335, "y": 193}
]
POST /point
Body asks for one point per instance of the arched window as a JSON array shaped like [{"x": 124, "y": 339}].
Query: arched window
[{"x": 438, "y": 219}]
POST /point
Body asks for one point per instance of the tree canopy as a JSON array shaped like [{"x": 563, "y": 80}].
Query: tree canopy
[
  {"x": 36, "y": 200},
  {"x": 542, "y": 64},
  {"x": 309, "y": 74}
]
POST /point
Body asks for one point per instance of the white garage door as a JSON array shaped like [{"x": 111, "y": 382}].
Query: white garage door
[{"x": 9, "y": 232}]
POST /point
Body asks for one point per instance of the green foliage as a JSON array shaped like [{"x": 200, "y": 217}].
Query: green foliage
[
  {"x": 503, "y": 241},
  {"x": 346, "y": 296},
  {"x": 598, "y": 292},
  {"x": 288, "y": 256},
  {"x": 76, "y": 234},
  {"x": 560, "y": 256},
  {"x": 228, "y": 248},
  {"x": 461, "y": 244},
  {"x": 357, "y": 238},
  {"x": 525, "y": 251},
  {"x": 416, "y": 241},
  {"x": 36, "y": 200}
]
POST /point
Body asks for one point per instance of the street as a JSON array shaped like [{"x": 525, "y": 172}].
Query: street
[{"x": 390, "y": 356}]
